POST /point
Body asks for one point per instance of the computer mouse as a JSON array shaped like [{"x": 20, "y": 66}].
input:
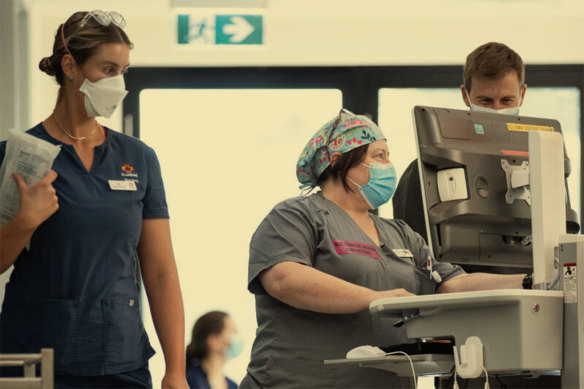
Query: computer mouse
[{"x": 365, "y": 352}]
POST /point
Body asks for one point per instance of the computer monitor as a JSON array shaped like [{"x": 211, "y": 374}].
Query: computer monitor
[{"x": 465, "y": 160}]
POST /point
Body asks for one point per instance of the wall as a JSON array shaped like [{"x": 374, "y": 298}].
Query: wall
[
  {"x": 13, "y": 77},
  {"x": 332, "y": 32}
]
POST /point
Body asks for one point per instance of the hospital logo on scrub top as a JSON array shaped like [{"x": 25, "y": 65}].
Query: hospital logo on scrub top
[{"x": 128, "y": 170}]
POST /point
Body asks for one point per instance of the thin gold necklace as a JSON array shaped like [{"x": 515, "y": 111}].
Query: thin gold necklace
[{"x": 71, "y": 136}]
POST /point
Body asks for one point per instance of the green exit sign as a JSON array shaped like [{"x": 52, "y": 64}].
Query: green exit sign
[{"x": 240, "y": 29}]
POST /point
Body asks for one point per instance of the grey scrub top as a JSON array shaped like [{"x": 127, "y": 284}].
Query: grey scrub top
[{"x": 291, "y": 344}]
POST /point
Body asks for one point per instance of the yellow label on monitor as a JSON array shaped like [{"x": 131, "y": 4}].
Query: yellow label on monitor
[{"x": 528, "y": 127}]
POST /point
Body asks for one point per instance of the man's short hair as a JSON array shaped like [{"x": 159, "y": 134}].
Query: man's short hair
[{"x": 492, "y": 61}]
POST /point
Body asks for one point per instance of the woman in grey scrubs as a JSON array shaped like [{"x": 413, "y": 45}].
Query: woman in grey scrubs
[{"x": 317, "y": 261}]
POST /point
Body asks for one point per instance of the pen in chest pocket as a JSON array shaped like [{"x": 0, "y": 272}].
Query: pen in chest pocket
[{"x": 433, "y": 273}]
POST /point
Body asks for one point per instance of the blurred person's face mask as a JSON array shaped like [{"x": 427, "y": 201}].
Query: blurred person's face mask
[
  {"x": 103, "y": 96},
  {"x": 235, "y": 346},
  {"x": 381, "y": 185},
  {"x": 505, "y": 111}
]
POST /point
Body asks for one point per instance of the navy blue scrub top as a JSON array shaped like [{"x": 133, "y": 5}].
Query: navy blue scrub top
[
  {"x": 197, "y": 378},
  {"x": 75, "y": 289}
]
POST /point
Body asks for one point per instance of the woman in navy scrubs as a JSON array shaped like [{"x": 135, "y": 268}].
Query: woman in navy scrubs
[{"x": 74, "y": 240}]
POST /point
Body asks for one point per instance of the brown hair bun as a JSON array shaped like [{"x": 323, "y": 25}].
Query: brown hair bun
[{"x": 46, "y": 65}]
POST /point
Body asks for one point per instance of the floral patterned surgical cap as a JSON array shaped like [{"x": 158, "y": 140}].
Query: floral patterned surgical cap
[{"x": 341, "y": 134}]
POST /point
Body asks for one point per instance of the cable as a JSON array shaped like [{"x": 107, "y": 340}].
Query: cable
[
  {"x": 411, "y": 365},
  {"x": 486, "y": 378}
]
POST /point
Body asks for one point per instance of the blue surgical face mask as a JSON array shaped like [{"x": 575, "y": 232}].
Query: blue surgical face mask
[
  {"x": 505, "y": 111},
  {"x": 236, "y": 346},
  {"x": 381, "y": 185}
]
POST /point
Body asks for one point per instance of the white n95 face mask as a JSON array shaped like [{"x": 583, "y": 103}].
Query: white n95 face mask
[
  {"x": 505, "y": 111},
  {"x": 103, "y": 96}
]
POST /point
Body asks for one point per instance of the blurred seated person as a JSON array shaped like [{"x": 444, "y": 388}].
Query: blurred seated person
[
  {"x": 318, "y": 261},
  {"x": 494, "y": 81},
  {"x": 214, "y": 340}
]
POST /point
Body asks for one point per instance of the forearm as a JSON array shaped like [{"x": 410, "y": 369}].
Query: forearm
[
  {"x": 307, "y": 288},
  {"x": 481, "y": 281},
  {"x": 14, "y": 236},
  {"x": 162, "y": 287},
  {"x": 323, "y": 293},
  {"x": 166, "y": 306}
]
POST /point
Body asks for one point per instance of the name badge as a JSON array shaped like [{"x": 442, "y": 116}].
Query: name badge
[
  {"x": 122, "y": 185},
  {"x": 403, "y": 253}
]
